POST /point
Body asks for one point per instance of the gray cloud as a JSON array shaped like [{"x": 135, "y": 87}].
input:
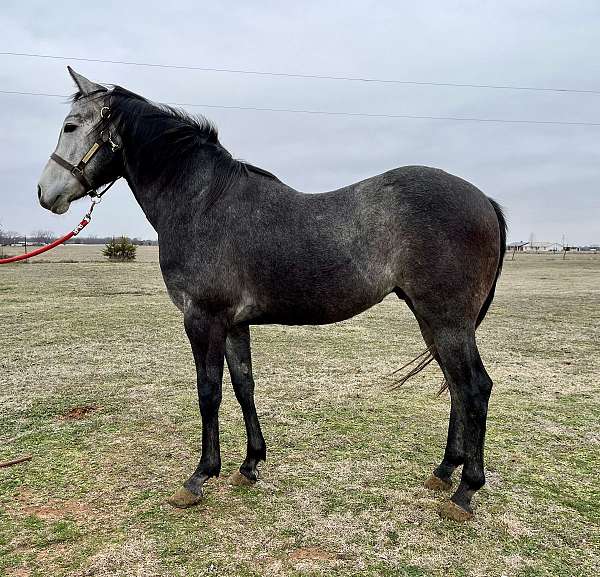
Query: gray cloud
[{"x": 546, "y": 176}]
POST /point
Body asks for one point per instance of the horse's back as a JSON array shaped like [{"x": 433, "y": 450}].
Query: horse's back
[{"x": 412, "y": 209}]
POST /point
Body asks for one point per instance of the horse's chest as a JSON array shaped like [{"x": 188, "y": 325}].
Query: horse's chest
[{"x": 204, "y": 286}]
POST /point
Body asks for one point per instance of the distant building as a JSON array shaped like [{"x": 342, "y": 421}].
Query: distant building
[
  {"x": 544, "y": 247},
  {"x": 541, "y": 246},
  {"x": 515, "y": 246}
]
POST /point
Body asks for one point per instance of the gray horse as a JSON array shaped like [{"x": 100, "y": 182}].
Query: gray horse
[{"x": 239, "y": 247}]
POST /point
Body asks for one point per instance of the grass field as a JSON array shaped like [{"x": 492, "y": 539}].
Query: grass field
[{"x": 97, "y": 384}]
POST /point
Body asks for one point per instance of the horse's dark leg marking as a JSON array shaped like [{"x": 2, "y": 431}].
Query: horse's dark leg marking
[
  {"x": 441, "y": 479},
  {"x": 207, "y": 334},
  {"x": 470, "y": 387},
  {"x": 454, "y": 454},
  {"x": 239, "y": 361}
]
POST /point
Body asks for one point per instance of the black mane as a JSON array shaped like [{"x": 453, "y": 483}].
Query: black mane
[
  {"x": 146, "y": 118},
  {"x": 135, "y": 110},
  {"x": 161, "y": 143}
]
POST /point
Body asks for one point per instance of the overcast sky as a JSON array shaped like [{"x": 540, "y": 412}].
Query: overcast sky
[{"x": 545, "y": 176}]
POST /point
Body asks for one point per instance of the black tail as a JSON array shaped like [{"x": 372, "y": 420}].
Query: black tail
[
  {"x": 430, "y": 353},
  {"x": 503, "y": 228}
]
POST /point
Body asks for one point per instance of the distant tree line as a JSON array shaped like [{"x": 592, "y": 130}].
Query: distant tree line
[
  {"x": 8, "y": 237},
  {"x": 107, "y": 239}
]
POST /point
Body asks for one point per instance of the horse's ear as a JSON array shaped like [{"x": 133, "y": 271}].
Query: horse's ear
[{"x": 85, "y": 86}]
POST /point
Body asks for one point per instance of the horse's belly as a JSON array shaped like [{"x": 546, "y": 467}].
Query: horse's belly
[{"x": 317, "y": 308}]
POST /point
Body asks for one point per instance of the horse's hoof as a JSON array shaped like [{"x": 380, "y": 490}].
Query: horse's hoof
[
  {"x": 184, "y": 498},
  {"x": 238, "y": 479},
  {"x": 450, "y": 510},
  {"x": 436, "y": 484}
]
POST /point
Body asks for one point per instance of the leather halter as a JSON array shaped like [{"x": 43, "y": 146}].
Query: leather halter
[{"x": 78, "y": 170}]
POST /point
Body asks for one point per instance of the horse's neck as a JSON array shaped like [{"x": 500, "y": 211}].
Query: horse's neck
[{"x": 161, "y": 201}]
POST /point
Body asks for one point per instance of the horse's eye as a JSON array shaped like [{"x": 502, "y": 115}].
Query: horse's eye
[{"x": 70, "y": 127}]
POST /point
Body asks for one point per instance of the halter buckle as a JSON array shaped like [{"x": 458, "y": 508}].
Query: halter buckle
[
  {"x": 76, "y": 172},
  {"x": 102, "y": 113},
  {"x": 106, "y": 136},
  {"x": 113, "y": 145}
]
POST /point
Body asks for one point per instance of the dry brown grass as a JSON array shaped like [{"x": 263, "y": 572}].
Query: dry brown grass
[{"x": 342, "y": 491}]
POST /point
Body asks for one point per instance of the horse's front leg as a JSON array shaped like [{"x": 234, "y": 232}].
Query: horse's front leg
[
  {"x": 237, "y": 354},
  {"x": 207, "y": 334}
]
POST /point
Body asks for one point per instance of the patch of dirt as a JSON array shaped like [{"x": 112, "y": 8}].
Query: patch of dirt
[
  {"x": 80, "y": 412},
  {"x": 51, "y": 510},
  {"x": 57, "y": 510},
  {"x": 313, "y": 554}
]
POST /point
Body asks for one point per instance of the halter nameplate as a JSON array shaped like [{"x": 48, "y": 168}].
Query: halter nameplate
[{"x": 90, "y": 153}]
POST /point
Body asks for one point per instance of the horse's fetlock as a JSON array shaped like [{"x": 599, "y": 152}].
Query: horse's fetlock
[{"x": 474, "y": 482}]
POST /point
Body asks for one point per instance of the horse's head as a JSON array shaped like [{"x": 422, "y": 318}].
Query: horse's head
[{"x": 84, "y": 158}]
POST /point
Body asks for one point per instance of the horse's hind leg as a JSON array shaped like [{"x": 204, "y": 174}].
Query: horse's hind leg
[
  {"x": 237, "y": 354},
  {"x": 454, "y": 454},
  {"x": 470, "y": 388},
  {"x": 441, "y": 479}
]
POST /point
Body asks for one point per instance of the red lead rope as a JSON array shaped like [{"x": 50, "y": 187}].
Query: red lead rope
[{"x": 86, "y": 220}]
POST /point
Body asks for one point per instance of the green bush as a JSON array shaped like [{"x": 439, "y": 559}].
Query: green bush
[{"x": 120, "y": 249}]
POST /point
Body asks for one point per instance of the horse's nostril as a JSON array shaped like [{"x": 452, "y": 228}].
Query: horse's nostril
[{"x": 41, "y": 198}]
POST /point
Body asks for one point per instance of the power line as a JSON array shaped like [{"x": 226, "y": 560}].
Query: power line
[
  {"x": 344, "y": 113},
  {"x": 24, "y": 93},
  {"x": 305, "y": 76}
]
